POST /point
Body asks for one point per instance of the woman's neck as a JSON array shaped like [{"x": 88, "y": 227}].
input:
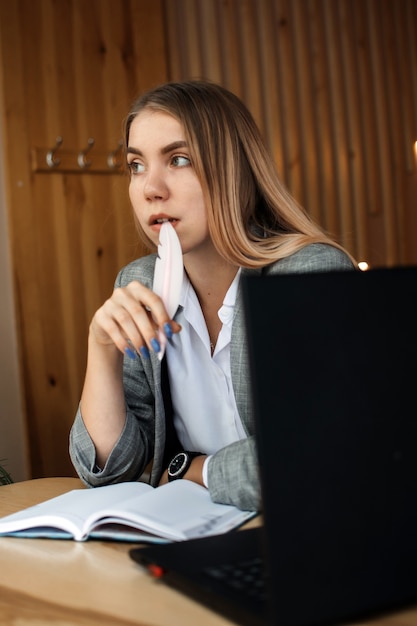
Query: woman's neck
[{"x": 210, "y": 278}]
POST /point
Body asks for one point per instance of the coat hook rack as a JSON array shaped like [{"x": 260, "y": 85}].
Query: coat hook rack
[{"x": 57, "y": 160}]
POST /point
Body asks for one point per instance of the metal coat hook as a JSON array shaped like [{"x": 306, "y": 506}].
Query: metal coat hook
[
  {"x": 113, "y": 160},
  {"x": 82, "y": 161},
  {"x": 59, "y": 160},
  {"x": 51, "y": 159}
]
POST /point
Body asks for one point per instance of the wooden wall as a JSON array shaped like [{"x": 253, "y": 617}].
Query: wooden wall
[
  {"x": 70, "y": 68},
  {"x": 332, "y": 84},
  {"x": 13, "y": 442}
]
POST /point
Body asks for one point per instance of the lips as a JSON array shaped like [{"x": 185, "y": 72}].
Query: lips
[{"x": 160, "y": 219}]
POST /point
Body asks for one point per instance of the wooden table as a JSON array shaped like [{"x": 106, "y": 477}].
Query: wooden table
[
  {"x": 66, "y": 583},
  {"x": 45, "y": 581}
]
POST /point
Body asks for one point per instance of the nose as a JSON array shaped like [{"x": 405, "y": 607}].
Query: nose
[{"x": 155, "y": 187}]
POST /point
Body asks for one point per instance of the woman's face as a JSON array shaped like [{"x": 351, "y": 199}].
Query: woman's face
[{"x": 163, "y": 183}]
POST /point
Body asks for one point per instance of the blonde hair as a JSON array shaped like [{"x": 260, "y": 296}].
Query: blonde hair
[{"x": 253, "y": 220}]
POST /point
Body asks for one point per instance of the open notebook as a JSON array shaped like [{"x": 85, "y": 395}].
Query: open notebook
[{"x": 334, "y": 371}]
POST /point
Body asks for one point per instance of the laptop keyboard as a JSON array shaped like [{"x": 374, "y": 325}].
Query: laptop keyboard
[{"x": 245, "y": 576}]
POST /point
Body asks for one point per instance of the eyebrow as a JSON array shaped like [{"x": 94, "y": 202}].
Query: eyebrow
[{"x": 165, "y": 150}]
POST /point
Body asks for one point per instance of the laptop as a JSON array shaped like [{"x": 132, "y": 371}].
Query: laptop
[{"x": 334, "y": 382}]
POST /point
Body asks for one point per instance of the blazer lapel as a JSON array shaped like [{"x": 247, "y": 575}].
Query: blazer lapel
[{"x": 239, "y": 360}]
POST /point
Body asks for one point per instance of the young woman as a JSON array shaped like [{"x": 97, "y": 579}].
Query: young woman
[{"x": 196, "y": 158}]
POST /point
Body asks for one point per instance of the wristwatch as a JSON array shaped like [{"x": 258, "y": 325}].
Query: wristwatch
[{"x": 180, "y": 463}]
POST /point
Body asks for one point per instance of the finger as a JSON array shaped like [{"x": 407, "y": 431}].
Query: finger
[
  {"x": 151, "y": 302},
  {"x": 137, "y": 328},
  {"x": 136, "y": 297},
  {"x": 107, "y": 331}
]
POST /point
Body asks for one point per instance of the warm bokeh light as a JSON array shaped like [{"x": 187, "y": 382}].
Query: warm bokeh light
[{"x": 363, "y": 265}]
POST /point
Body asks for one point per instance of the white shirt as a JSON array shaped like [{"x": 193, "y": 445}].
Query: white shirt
[{"x": 206, "y": 418}]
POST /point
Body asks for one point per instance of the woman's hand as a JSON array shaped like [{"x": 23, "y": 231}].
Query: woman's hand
[{"x": 131, "y": 320}]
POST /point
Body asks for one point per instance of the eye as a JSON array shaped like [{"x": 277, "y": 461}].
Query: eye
[
  {"x": 135, "y": 167},
  {"x": 180, "y": 161}
]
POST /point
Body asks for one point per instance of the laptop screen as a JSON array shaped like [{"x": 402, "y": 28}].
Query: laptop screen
[{"x": 333, "y": 365}]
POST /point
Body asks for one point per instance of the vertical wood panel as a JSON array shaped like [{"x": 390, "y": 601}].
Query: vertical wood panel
[
  {"x": 404, "y": 108},
  {"x": 356, "y": 230},
  {"x": 247, "y": 18},
  {"x": 300, "y": 20},
  {"x": 271, "y": 113},
  {"x": 285, "y": 68},
  {"x": 70, "y": 68},
  {"x": 334, "y": 31},
  {"x": 228, "y": 26},
  {"x": 378, "y": 87},
  {"x": 320, "y": 103},
  {"x": 211, "y": 55},
  {"x": 408, "y": 35}
]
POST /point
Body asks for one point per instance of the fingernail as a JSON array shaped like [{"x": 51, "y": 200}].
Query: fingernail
[
  {"x": 168, "y": 330},
  {"x": 130, "y": 353},
  {"x": 155, "y": 345},
  {"x": 144, "y": 352}
]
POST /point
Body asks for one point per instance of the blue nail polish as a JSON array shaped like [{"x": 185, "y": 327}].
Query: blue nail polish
[
  {"x": 155, "y": 345},
  {"x": 144, "y": 352},
  {"x": 168, "y": 330},
  {"x": 130, "y": 353}
]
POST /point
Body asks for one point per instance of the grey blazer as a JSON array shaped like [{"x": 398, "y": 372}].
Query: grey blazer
[{"x": 233, "y": 471}]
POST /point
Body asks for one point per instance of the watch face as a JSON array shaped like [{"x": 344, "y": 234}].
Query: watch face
[{"x": 177, "y": 464}]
